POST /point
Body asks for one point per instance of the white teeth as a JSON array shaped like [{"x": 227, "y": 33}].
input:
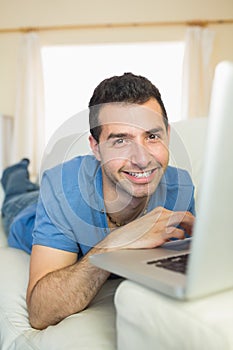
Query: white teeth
[{"x": 141, "y": 175}]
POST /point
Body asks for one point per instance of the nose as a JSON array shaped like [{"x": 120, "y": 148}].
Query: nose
[{"x": 140, "y": 155}]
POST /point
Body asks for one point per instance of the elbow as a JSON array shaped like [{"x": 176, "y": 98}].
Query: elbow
[
  {"x": 36, "y": 316},
  {"x": 42, "y": 317},
  {"x": 36, "y": 324},
  {"x": 35, "y": 320},
  {"x": 39, "y": 323},
  {"x": 43, "y": 312}
]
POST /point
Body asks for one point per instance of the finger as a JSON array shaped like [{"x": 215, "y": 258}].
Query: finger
[
  {"x": 187, "y": 228},
  {"x": 174, "y": 232},
  {"x": 181, "y": 218}
]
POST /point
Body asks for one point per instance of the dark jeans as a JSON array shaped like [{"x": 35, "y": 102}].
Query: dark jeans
[{"x": 19, "y": 191}]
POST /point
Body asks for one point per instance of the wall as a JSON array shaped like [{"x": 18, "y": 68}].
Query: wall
[{"x": 35, "y": 13}]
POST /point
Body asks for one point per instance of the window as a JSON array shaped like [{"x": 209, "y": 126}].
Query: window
[{"x": 72, "y": 72}]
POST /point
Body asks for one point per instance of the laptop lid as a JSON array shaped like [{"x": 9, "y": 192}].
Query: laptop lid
[{"x": 211, "y": 261}]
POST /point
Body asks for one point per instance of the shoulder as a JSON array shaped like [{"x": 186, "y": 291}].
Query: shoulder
[
  {"x": 73, "y": 165},
  {"x": 177, "y": 190},
  {"x": 71, "y": 173},
  {"x": 176, "y": 176}
]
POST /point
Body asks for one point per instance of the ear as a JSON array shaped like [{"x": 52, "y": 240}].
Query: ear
[
  {"x": 94, "y": 147},
  {"x": 168, "y": 133}
]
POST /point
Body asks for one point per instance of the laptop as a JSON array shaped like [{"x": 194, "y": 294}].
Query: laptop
[{"x": 209, "y": 253}]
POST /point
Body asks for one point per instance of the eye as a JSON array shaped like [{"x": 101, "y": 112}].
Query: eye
[
  {"x": 121, "y": 142},
  {"x": 154, "y": 137}
]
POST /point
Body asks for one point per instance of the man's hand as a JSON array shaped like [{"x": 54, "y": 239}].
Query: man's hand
[{"x": 150, "y": 231}]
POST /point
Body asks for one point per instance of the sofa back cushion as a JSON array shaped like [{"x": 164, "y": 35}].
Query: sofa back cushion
[{"x": 187, "y": 146}]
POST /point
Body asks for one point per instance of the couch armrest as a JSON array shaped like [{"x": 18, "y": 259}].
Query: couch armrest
[{"x": 149, "y": 320}]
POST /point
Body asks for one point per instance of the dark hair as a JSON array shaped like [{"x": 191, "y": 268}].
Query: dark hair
[{"x": 127, "y": 88}]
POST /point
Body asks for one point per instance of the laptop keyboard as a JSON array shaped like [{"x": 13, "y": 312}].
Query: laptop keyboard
[{"x": 175, "y": 263}]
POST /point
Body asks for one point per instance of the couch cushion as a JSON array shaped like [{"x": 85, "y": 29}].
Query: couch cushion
[
  {"x": 3, "y": 238},
  {"x": 92, "y": 329},
  {"x": 187, "y": 146}
]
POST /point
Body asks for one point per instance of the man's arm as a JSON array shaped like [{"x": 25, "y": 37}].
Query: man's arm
[{"x": 60, "y": 286}]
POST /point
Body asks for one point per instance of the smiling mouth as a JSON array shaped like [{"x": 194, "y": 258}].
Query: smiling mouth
[{"x": 141, "y": 175}]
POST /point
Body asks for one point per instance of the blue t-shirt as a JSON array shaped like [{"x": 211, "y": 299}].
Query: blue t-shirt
[{"x": 70, "y": 213}]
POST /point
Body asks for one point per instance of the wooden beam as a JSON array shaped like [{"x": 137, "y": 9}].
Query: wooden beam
[{"x": 201, "y": 23}]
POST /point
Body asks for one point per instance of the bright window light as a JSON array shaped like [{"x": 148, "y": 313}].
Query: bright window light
[{"x": 72, "y": 72}]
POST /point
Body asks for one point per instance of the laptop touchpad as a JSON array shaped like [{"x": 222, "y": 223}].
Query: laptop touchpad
[{"x": 179, "y": 244}]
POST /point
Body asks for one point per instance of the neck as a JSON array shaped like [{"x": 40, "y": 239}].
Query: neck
[
  {"x": 128, "y": 212},
  {"x": 121, "y": 207}
]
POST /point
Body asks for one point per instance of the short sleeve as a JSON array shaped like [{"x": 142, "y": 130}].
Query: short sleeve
[{"x": 51, "y": 225}]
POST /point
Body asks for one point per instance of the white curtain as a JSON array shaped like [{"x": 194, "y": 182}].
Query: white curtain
[
  {"x": 6, "y": 128},
  {"x": 28, "y": 140},
  {"x": 197, "y": 72}
]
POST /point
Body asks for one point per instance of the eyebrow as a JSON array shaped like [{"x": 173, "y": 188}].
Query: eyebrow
[
  {"x": 155, "y": 130},
  {"x": 126, "y": 135},
  {"x": 118, "y": 136}
]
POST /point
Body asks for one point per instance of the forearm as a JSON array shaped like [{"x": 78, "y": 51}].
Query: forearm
[{"x": 65, "y": 292}]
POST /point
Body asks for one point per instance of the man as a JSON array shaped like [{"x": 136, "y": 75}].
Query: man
[{"x": 124, "y": 196}]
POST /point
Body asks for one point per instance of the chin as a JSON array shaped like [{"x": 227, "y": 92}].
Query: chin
[{"x": 144, "y": 192}]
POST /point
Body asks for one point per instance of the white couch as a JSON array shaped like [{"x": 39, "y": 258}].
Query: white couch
[{"x": 141, "y": 322}]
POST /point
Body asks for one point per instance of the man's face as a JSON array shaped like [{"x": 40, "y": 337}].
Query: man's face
[{"x": 133, "y": 147}]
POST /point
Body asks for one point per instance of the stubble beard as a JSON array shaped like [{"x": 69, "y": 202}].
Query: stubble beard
[{"x": 123, "y": 192}]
